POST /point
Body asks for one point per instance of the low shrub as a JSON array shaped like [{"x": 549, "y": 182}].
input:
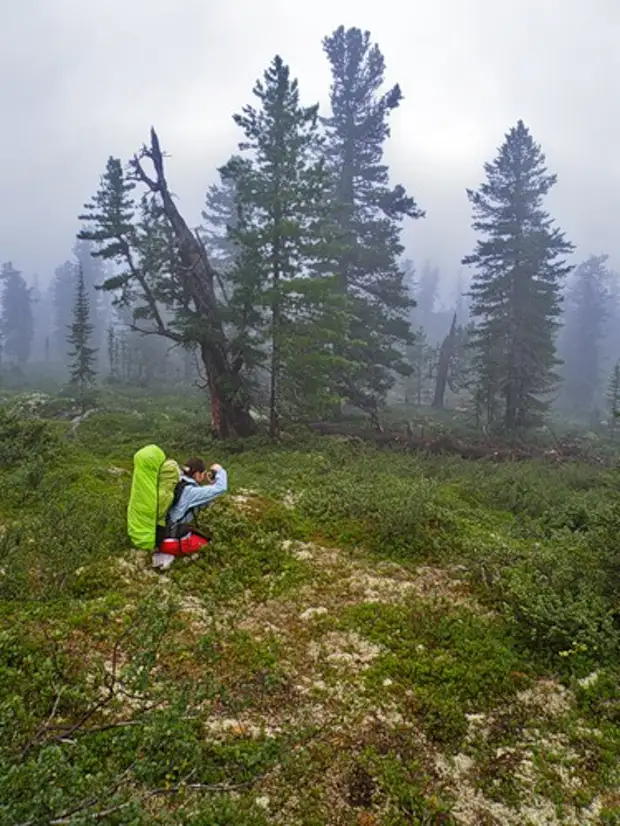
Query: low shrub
[
  {"x": 26, "y": 441},
  {"x": 453, "y": 662}
]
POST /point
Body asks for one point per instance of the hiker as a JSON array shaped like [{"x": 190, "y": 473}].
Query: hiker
[
  {"x": 163, "y": 500},
  {"x": 190, "y": 495}
]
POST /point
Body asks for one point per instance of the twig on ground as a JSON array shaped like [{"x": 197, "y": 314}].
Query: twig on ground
[
  {"x": 66, "y": 817},
  {"x": 63, "y": 733}
]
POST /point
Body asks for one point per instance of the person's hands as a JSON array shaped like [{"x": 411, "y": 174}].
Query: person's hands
[{"x": 215, "y": 468}]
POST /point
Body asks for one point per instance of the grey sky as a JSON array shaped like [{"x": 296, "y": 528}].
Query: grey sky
[{"x": 82, "y": 80}]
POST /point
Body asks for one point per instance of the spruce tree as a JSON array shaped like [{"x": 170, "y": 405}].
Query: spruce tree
[
  {"x": 220, "y": 216},
  {"x": 281, "y": 192},
  {"x": 519, "y": 268},
  {"x": 220, "y": 232},
  {"x": 17, "y": 324},
  {"x": 83, "y": 355},
  {"x": 588, "y": 300},
  {"x": 367, "y": 213},
  {"x": 94, "y": 278}
]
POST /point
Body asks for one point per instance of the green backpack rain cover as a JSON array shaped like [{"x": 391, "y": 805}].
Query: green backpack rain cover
[{"x": 152, "y": 491}]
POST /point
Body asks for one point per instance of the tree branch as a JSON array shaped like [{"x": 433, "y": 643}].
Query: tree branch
[
  {"x": 194, "y": 787},
  {"x": 66, "y": 817},
  {"x": 139, "y": 172},
  {"x": 150, "y": 298},
  {"x": 165, "y": 333}
]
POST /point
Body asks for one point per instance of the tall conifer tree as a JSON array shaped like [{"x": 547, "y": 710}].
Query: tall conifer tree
[
  {"x": 93, "y": 269},
  {"x": 17, "y": 324},
  {"x": 588, "y": 300},
  {"x": 220, "y": 216},
  {"x": 82, "y": 354},
  {"x": 368, "y": 213},
  {"x": 519, "y": 268},
  {"x": 281, "y": 192}
]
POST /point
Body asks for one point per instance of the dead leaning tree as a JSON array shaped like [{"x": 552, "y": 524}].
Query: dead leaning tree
[
  {"x": 446, "y": 354},
  {"x": 230, "y": 416}
]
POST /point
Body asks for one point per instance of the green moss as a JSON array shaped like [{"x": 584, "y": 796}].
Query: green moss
[
  {"x": 445, "y": 663},
  {"x": 537, "y": 546}
]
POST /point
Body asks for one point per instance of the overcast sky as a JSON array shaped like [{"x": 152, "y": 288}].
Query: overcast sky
[{"x": 83, "y": 79}]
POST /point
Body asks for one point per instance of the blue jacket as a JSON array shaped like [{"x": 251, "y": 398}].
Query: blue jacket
[{"x": 195, "y": 496}]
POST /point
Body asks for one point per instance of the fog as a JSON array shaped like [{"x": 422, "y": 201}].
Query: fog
[{"x": 80, "y": 81}]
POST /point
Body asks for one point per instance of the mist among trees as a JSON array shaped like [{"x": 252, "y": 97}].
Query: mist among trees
[
  {"x": 297, "y": 525},
  {"x": 296, "y": 294}
]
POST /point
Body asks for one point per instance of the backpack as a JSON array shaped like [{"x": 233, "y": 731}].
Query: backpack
[{"x": 155, "y": 487}]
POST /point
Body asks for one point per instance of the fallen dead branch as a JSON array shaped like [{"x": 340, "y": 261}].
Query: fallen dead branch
[
  {"x": 64, "y": 732},
  {"x": 83, "y": 806}
]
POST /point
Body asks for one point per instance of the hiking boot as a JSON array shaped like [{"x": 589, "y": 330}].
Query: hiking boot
[{"x": 161, "y": 562}]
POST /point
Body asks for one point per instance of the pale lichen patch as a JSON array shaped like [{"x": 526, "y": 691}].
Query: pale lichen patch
[
  {"x": 546, "y": 697},
  {"x": 348, "y": 650},
  {"x": 311, "y": 613}
]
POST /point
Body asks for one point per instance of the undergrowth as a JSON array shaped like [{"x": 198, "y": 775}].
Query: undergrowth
[{"x": 109, "y": 675}]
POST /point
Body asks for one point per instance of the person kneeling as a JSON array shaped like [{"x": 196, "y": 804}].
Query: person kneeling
[{"x": 179, "y": 537}]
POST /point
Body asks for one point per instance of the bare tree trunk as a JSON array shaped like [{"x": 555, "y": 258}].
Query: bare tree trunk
[
  {"x": 229, "y": 418},
  {"x": 229, "y": 414},
  {"x": 446, "y": 354}
]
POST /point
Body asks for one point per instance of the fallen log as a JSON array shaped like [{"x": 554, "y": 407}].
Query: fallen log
[{"x": 447, "y": 445}]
